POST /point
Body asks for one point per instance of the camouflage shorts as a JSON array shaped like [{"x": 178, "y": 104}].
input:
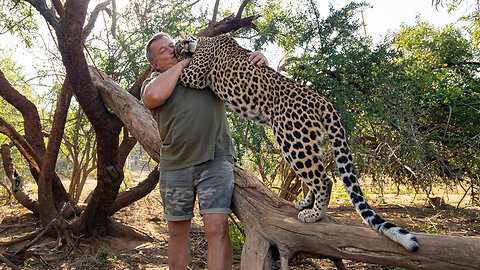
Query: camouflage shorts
[{"x": 212, "y": 181}]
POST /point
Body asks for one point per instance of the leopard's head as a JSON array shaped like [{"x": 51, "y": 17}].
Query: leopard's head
[{"x": 185, "y": 47}]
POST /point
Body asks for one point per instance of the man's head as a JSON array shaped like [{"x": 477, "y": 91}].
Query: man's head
[{"x": 160, "y": 52}]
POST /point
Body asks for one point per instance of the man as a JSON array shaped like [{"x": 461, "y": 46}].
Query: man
[{"x": 197, "y": 155}]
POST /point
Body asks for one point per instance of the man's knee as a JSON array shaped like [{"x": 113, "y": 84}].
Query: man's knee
[
  {"x": 215, "y": 225},
  {"x": 179, "y": 228}
]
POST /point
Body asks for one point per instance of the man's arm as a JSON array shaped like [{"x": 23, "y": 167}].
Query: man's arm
[{"x": 161, "y": 88}]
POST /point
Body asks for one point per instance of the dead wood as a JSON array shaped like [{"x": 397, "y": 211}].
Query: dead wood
[
  {"x": 271, "y": 224},
  {"x": 227, "y": 25},
  {"x": 133, "y": 114}
]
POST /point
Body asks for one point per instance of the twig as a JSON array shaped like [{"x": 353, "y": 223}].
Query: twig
[
  {"x": 236, "y": 224},
  {"x": 464, "y": 195},
  {"x": 448, "y": 121},
  {"x": 96, "y": 68},
  {"x": 93, "y": 17},
  {"x": 36, "y": 239},
  {"x": 41, "y": 6}
]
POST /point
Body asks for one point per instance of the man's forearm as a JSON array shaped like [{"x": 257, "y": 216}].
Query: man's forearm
[{"x": 161, "y": 88}]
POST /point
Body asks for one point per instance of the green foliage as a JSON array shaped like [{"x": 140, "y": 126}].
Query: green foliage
[
  {"x": 471, "y": 14},
  {"x": 431, "y": 47},
  {"x": 18, "y": 18},
  {"x": 119, "y": 49},
  {"x": 253, "y": 143},
  {"x": 238, "y": 240},
  {"x": 104, "y": 256},
  {"x": 27, "y": 264},
  {"x": 410, "y": 105}
]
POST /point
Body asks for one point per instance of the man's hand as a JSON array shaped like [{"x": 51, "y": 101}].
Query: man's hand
[
  {"x": 185, "y": 62},
  {"x": 258, "y": 58}
]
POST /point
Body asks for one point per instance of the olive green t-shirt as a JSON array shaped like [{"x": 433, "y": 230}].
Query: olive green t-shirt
[{"x": 193, "y": 126}]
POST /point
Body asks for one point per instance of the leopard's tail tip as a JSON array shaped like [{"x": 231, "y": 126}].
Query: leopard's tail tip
[{"x": 402, "y": 237}]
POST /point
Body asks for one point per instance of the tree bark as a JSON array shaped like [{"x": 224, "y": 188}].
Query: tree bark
[
  {"x": 69, "y": 32},
  {"x": 16, "y": 181},
  {"x": 47, "y": 172},
  {"x": 272, "y": 227},
  {"x": 31, "y": 144},
  {"x": 134, "y": 115}
]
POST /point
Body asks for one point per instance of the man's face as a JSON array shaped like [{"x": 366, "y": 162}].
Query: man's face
[{"x": 163, "y": 51}]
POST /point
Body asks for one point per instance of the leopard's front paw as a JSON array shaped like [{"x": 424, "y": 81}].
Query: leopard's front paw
[
  {"x": 303, "y": 204},
  {"x": 310, "y": 215}
]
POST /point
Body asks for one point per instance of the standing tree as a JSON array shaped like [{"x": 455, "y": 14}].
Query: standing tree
[{"x": 71, "y": 28}]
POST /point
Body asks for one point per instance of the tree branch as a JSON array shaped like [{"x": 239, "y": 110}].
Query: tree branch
[
  {"x": 93, "y": 18},
  {"x": 215, "y": 12},
  {"x": 31, "y": 119},
  {"x": 16, "y": 181},
  {"x": 228, "y": 25},
  {"x": 59, "y": 8},
  {"x": 21, "y": 144},
  {"x": 134, "y": 194},
  {"x": 47, "y": 173},
  {"x": 41, "y": 6},
  {"x": 138, "y": 120},
  {"x": 241, "y": 8}
]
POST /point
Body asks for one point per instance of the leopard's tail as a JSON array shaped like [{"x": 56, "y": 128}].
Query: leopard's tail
[{"x": 344, "y": 161}]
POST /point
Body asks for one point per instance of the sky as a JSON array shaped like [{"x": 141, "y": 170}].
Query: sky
[
  {"x": 382, "y": 17},
  {"x": 388, "y": 15}
]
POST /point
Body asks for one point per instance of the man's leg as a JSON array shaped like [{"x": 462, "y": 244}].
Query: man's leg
[
  {"x": 220, "y": 251},
  {"x": 178, "y": 244}
]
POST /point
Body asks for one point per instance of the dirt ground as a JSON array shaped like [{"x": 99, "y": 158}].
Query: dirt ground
[{"x": 145, "y": 216}]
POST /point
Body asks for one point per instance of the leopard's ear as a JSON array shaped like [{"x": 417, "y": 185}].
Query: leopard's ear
[{"x": 183, "y": 35}]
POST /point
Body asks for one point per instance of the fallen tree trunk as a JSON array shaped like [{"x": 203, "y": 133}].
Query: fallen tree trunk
[
  {"x": 271, "y": 227},
  {"x": 271, "y": 224}
]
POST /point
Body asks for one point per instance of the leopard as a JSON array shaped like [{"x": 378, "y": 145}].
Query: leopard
[{"x": 300, "y": 117}]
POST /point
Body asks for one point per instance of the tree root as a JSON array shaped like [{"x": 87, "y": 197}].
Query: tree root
[
  {"x": 118, "y": 229},
  {"x": 57, "y": 225}
]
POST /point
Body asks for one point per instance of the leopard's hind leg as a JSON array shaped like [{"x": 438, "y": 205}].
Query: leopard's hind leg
[
  {"x": 301, "y": 149},
  {"x": 320, "y": 190}
]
